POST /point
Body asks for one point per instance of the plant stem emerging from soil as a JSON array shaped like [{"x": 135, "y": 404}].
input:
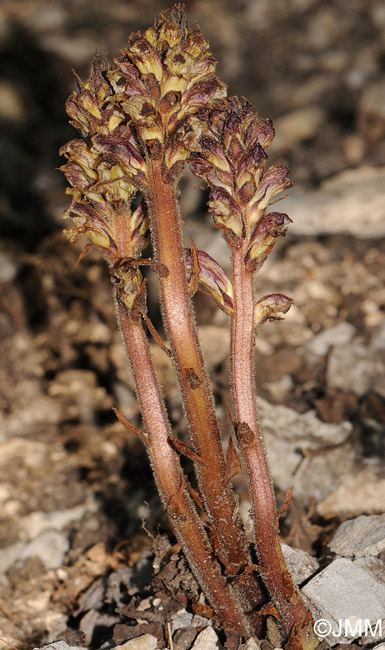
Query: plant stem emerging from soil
[
  {"x": 285, "y": 595},
  {"x": 160, "y": 106},
  {"x": 180, "y": 323},
  {"x": 232, "y": 162},
  {"x": 171, "y": 482},
  {"x": 218, "y": 497}
]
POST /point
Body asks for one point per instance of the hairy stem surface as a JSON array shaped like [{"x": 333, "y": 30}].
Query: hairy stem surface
[
  {"x": 179, "y": 320},
  {"x": 272, "y": 566},
  {"x": 171, "y": 483}
]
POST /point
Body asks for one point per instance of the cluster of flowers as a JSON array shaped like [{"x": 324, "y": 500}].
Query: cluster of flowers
[{"x": 162, "y": 99}]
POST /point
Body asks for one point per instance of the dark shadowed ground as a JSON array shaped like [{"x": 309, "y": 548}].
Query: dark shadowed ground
[{"x": 74, "y": 487}]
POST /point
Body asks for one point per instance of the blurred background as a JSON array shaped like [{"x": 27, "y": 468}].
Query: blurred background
[
  {"x": 70, "y": 476},
  {"x": 317, "y": 68}
]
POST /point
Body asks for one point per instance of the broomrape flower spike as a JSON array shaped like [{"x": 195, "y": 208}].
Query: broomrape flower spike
[{"x": 158, "y": 106}]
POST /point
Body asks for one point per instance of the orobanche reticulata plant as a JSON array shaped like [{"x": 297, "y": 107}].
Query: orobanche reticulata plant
[{"x": 158, "y": 108}]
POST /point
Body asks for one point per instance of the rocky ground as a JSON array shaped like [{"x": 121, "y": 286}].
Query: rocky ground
[{"x": 80, "y": 554}]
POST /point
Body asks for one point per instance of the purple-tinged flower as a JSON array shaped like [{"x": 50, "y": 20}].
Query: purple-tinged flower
[
  {"x": 270, "y": 307},
  {"x": 211, "y": 278},
  {"x": 119, "y": 149},
  {"x": 274, "y": 180},
  {"x": 232, "y": 161},
  {"x": 105, "y": 170},
  {"x": 226, "y": 211},
  {"x": 265, "y": 234},
  {"x": 162, "y": 79},
  {"x": 89, "y": 218},
  {"x": 261, "y": 132},
  {"x": 79, "y": 171}
]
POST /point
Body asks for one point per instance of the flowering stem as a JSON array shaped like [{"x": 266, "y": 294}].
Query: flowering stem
[
  {"x": 171, "y": 482},
  {"x": 273, "y": 570},
  {"x": 139, "y": 121},
  {"x": 179, "y": 320}
]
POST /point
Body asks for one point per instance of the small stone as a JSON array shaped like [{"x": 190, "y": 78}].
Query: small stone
[
  {"x": 79, "y": 394},
  {"x": 206, "y": 640},
  {"x": 144, "y": 604},
  {"x": 9, "y": 555},
  {"x": 48, "y": 18},
  {"x": 37, "y": 522},
  {"x": 51, "y": 547},
  {"x": 181, "y": 619},
  {"x": 245, "y": 510},
  {"x": 122, "y": 369},
  {"x": 274, "y": 633},
  {"x": 348, "y": 590},
  {"x": 353, "y": 147},
  {"x": 301, "y": 565},
  {"x": 184, "y": 638},
  {"x": 144, "y": 642},
  {"x": 89, "y": 621},
  {"x": 336, "y": 207},
  {"x": 199, "y": 621},
  {"x": 371, "y": 111},
  {"x": 215, "y": 343},
  {"x": 297, "y": 126},
  {"x": 280, "y": 388},
  {"x": 11, "y": 103},
  {"x": 359, "y": 537},
  {"x": 355, "y": 369},
  {"x": 9, "y": 268},
  {"x": 60, "y": 645},
  {"x": 251, "y": 644},
  {"x": 378, "y": 340},
  {"x": 33, "y": 453},
  {"x": 362, "y": 492},
  {"x": 287, "y": 432},
  {"x": 339, "y": 334},
  {"x": 126, "y": 399},
  {"x": 77, "y": 49},
  {"x": 55, "y": 624}
]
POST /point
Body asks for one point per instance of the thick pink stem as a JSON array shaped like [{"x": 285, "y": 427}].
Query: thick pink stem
[
  {"x": 192, "y": 376},
  {"x": 179, "y": 320},
  {"x": 272, "y": 566}
]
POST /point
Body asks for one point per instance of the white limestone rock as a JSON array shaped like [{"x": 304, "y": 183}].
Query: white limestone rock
[
  {"x": 361, "y": 492},
  {"x": 50, "y": 546},
  {"x": 287, "y": 432},
  {"x": 301, "y": 565},
  {"x": 360, "y": 537},
  {"x": 351, "y": 202},
  {"x": 60, "y": 645},
  {"x": 339, "y": 334},
  {"x": 206, "y": 640},
  {"x": 357, "y": 369},
  {"x": 143, "y": 642},
  {"x": 378, "y": 340},
  {"x": 348, "y": 595}
]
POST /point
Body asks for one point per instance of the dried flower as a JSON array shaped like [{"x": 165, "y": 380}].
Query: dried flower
[{"x": 270, "y": 307}]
